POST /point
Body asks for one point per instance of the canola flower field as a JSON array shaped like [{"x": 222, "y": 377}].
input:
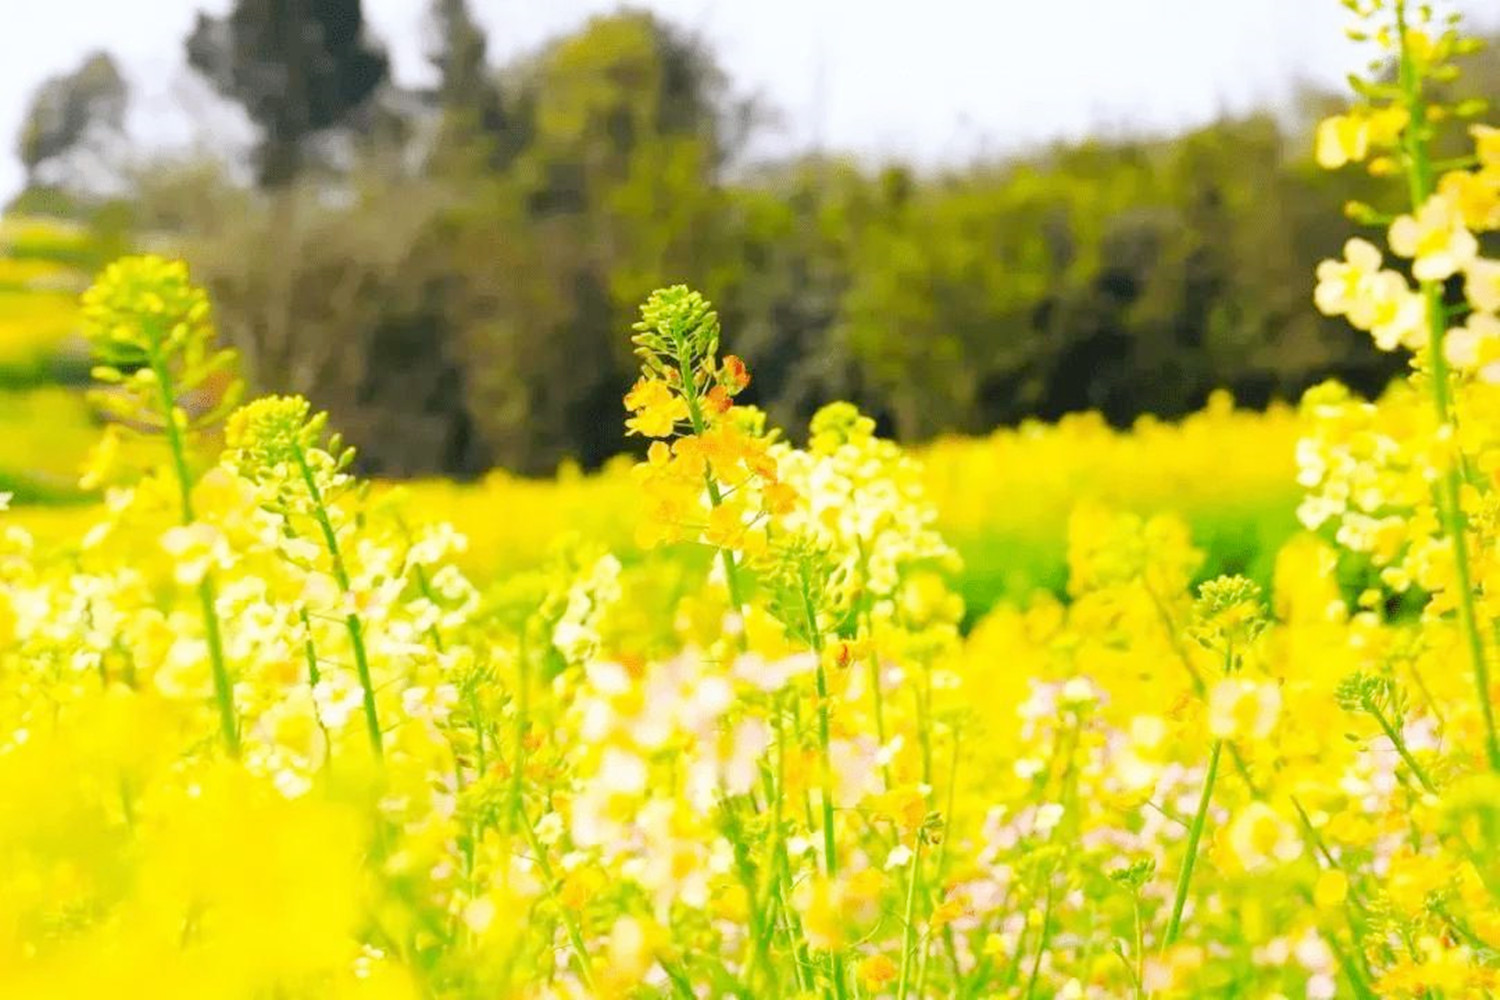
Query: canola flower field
[{"x": 267, "y": 730}]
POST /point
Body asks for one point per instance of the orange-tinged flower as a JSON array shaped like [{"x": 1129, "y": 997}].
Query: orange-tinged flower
[
  {"x": 717, "y": 401},
  {"x": 779, "y": 497},
  {"x": 734, "y": 374},
  {"x": 877, "y": 972}
]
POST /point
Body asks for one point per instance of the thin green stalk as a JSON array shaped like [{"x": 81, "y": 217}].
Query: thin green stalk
[
  {"x": 908, "y": 940},
  {"x": 310, "y": 653},
  {"x": 745, "y": 870},
  {"x": 1401, "y": 748},
  {"x": 781, "y": 865},
  {"x": 941, "y": 867},
  {"x": 1041, "y": 948},
  {"x": 695, "y": 418},
  {"x": 1140, "y": 948},
  {"x": 877, "y": 696},
  {"x": 830, "y": 850},
  {"x": 1450, "y": 510},
  {"x": 830, "y": 857},
  {"x": 1195, "y": 834},
  {"x": 1199, "y": 686},
  {"x": 801, "y": 960},
  {"x": 352, "y": 623},
  {"x": 207, "y": 594},
  {"x": 523, "y": 720},
  {"x": 575, "y": 933}
]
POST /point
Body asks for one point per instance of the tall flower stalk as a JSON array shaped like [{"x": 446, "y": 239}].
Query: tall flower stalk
[
  {"x": 151, "y": 330},
  {"x": 1227, "y": 616},
  {"x": 279, "y": 445},
  {"x": 1416, "y": 147}
]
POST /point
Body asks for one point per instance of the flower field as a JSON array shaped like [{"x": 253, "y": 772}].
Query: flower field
[{"x": 1198, "y": 709}]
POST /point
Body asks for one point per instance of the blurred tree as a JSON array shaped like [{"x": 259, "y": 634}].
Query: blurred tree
[
  {"x": 475, "y": 118},
  {"x": 617, "y": 190},
  {"x": 72, "y": 113},
  {"x": 474, "y": 309},
  {"x": 794, "y": 232},
  {"x": 297, "y": 67}
]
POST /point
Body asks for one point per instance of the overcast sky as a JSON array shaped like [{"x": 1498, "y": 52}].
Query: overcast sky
[{"x": 931, "y": 80}]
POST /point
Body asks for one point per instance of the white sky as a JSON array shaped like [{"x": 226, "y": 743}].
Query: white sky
[{"x": 930, "y": 80}]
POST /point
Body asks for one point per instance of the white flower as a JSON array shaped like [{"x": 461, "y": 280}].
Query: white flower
[
  {"x": 1047, "y": 817},
  {"x": 1079, "y": 691},
  {"x": 1395, "y": 315},
  {"x": 479, "y": 914},
  {"x": 1343, "y": 284},
  {"x": 195, "y": 549},
  {"x": 899, "y": 857},
  {"x": 1435, "y": 239},
  {"x": 1482, "y": 284},
  {"x": 622, "y": 772},
  {"x": 549, "y": 829},
  {"x": 1240, "y": 708},
  {"x": 751, "y": 739},
  {"x": 1475, "y": 346}
]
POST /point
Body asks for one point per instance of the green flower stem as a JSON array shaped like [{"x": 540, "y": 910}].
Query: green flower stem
[
  {"x": 825, "y": 758},
  {"x": 352, "y": 622},
  {"x": 1195, "y": 834},
  {"x": 523, "y": 722},
  {"x": 310, "y": 653},
  {"x": 715, "y": 497},
  {"x": 1140, "y": 947},
  {"x": 575, "y": 933},
  {"x": 908, "y": 940},
  {"x": 1041, "y": 948},
  {"x": 1200, "y": 687},
  {"x": 1420, "y": 188},
  {"x": 734, "y": 831},
  {"x": 207, "y": 592},
  {"x": 1399, "y": 743},
  {"x": 780, "y": 870},
  {"x": 876, "y": 695},
  {"x": 735, "y": 588},
  {"x": 941, "y": 868}
]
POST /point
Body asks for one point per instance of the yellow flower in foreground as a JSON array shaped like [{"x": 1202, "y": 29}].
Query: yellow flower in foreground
[
  {"x": 656, "y": 407},
  {"x": 1486, "y": 144},
  {"x": 1377, "y": 301},
  {"x": 1435, "y": 239},
  {"x": 1476, "y": 195},
  {"x": 1342, "y": 139}
]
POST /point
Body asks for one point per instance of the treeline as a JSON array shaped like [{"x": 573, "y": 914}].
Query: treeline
[{"x": 453, "y": 273}]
